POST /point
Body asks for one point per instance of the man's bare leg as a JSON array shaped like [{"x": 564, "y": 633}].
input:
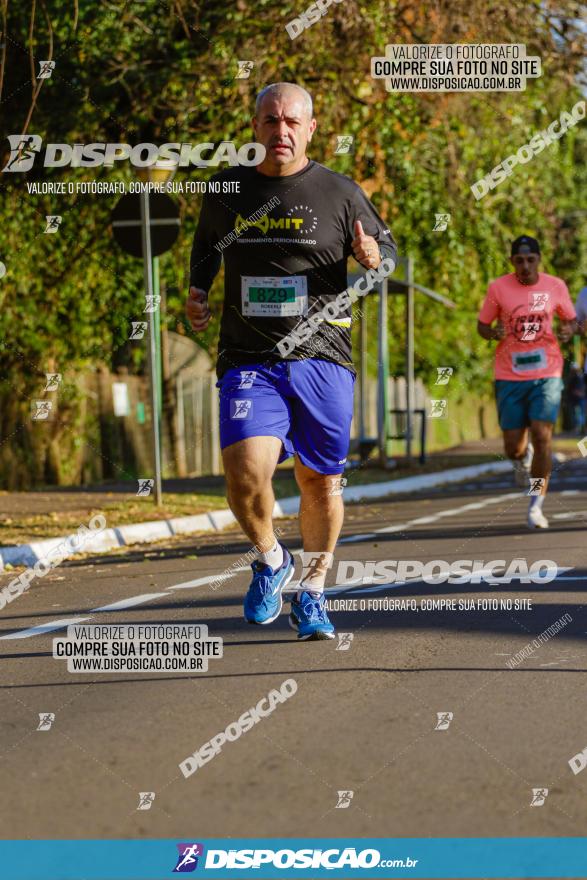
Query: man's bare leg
[
  {"x": 249, "y": 466},
  {"x": 515, "y": 443},
  {"x": 321, "y": 518},
  {"x": 518, "y": 449},
  {"x": 541, "y": 433}
]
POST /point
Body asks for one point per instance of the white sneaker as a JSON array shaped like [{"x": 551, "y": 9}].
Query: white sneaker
[
  {"x": 536, "y": 519},
  {"x": 523, "y": 466}
]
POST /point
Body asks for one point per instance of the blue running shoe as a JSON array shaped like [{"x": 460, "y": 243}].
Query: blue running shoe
[
  {"x": 263, "y": 601},
  {"x": 308, "y": 616}
]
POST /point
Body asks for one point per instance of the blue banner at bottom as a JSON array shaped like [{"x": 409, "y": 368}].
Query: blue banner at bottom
[{"x": 505, "y": 857}]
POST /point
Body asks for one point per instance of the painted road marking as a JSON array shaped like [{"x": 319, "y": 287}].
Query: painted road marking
[{"x": 44, "y": 628}]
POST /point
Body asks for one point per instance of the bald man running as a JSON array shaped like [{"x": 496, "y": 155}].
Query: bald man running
[{"x": 286, "y": 385}]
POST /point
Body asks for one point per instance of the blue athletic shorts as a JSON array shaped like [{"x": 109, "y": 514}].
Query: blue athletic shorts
[
  {"x": 519, "y": 403},
  {"x": 307, "y": 404}
]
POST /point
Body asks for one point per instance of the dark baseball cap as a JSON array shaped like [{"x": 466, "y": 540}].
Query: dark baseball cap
[{"x": 525, "y": 244}]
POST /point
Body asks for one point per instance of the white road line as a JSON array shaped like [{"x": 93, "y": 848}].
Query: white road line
[
  {"x": 128, "y": 603},
  {"x": 200, "y": 582},
  {"x": 573, "y": 515},
  {"x": 44, "y": 628},
  {"x": 434, "y": 517}
]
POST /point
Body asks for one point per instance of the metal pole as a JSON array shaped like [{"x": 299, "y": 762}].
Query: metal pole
[
  {"x": 409, "y": 356},
  {"x": 157, "y": 316},
  {"x": 362, "y": 377},
  {"x": 149, "y": 292},
  {"x": 383, "y": 378}
]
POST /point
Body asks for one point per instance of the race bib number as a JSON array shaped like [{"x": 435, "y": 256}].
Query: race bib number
[
  {"x": 276, "y": 297},
  {"x": 527, "y": 361}
]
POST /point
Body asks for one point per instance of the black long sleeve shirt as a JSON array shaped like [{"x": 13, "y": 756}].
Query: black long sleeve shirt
[{"x": 299, "y": 225}]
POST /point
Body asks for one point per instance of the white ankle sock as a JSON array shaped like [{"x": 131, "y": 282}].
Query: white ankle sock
[
  {"x": 537, "y": 501},
  {"x": 273, "y": 557},
  {"x": 314, "y": 586},
  {"x": 315, "y": 568}
]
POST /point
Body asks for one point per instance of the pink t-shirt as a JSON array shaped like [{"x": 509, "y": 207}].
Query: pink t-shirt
[{"x": 530, "y": 349}]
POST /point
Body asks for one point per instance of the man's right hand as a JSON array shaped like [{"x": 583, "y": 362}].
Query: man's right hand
[{"x": 197, "y": 311}]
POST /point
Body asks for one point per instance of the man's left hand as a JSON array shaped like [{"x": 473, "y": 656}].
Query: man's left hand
[{"x": 365, "y": 248}]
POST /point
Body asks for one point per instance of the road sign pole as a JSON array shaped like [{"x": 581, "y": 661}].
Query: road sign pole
[
  {"x": 157, "y": 314},
  {"x": 409, "y": 356},
  {"x": 153, "y": 338}
]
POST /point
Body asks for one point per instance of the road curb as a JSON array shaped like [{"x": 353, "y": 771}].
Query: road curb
[{"x": 155, "y": 530}]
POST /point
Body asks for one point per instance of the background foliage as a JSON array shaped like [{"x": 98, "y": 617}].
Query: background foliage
[{"x": 161, "y": 72}]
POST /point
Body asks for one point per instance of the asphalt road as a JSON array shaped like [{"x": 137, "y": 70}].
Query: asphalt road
[{"x": 363, "y": 718}]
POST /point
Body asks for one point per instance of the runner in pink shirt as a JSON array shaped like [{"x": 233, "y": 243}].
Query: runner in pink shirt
[{"x": 528, "y": 364}]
